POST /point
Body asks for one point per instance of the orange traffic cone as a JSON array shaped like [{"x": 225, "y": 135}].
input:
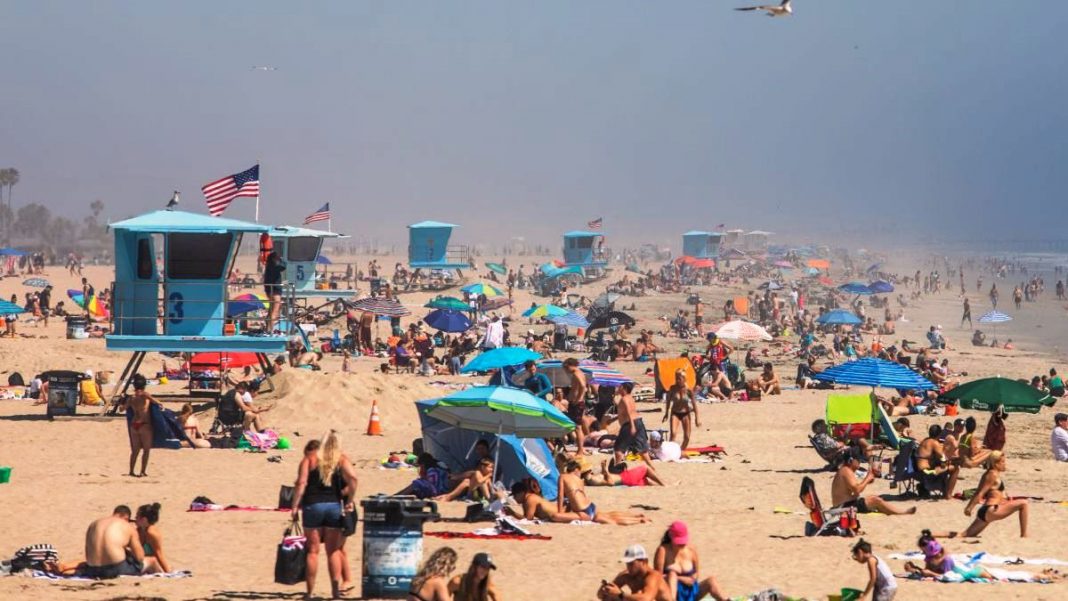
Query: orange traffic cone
[{"x": 374, "y": 425}]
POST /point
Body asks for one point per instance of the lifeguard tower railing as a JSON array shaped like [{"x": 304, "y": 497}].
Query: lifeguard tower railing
[
  {"x": 455, "y": 256},
  {"x": 193, "y": 319}
]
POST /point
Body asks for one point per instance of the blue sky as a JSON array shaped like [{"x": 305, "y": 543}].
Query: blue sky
[{"x": 530, "y": 118}]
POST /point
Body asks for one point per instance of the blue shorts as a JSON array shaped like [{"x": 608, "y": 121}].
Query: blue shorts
[{"x": 321, "y": 515}]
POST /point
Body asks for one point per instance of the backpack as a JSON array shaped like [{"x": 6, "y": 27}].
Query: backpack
[{"x": 33, "y": 557}]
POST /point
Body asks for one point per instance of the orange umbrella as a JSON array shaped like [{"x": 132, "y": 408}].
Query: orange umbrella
[{"x": 819, "y": 263}]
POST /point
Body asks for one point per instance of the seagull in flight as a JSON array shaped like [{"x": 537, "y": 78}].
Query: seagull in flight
[
  {"x": 264, "y": 68},
  {"x": 173, "y": 202},
  {"x": 782, "y": 10}
]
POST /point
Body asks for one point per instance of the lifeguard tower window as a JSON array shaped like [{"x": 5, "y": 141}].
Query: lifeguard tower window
[
  {"x": 144, "y": 259},
  {"x": 582, "y": 242},
  {"x": 303, "y": 249},
  {"x": 197, "y": 256}
]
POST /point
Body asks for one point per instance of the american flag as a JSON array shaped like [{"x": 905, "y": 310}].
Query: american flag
[
  {"x": 322, "y": 214},
  {"x": 721, "y": 226},
  {"x": 595, "y": 224},
  {"x": 220, "y": 193}
]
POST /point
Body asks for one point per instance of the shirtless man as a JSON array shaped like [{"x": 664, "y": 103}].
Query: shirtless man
[
  {"x": 576, "y": 401},
  {"x": 645, "y": 583},
  {"x": 717, "y": 383},
  {"x": 768, "y": 381},
  {"x": 141, "y": 425},
  {"x": 477, "y": 484},
  {"x": 933, "y": 462},
  {"x": 571, "y": 491},
  {"x": 632, "y": 434},
  {"x": 846, "y": 489},
  {"x": 679, "y": 405},
  {"x": 112, "y": 547}
]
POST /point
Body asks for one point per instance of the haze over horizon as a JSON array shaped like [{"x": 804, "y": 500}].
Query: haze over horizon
[{"x": 936, "y": 120}]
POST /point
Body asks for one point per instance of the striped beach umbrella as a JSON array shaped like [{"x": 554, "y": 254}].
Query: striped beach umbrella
[
  {"x": 596, "y": 373},
  {"x": 994, "y": 317},
  {"x": 741, "y": 330},
  {"x": 482, "y": 288},
  {"x": 546, "y": 310},
  {"x": 877, "y": 373},
  {"x": 571, "y": 319},
  {"x": 387, "y": 307},
  {"x": 502, "y": 410}
]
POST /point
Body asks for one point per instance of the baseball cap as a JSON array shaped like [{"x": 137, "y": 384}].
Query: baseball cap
[
  {"x": 679, "y": 533},
  {"x": 634, "y": 553},
  {"x": 484, "y": 560}
]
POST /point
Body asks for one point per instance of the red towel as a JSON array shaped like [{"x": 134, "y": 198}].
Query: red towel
[{"x": 506, "y": 536}]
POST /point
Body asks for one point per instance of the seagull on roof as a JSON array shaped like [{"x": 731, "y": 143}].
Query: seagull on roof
[
  {"x": 782, "y": 10},
  {"x": 173, "y": 202},
  {"x": 264, "y": 68}
]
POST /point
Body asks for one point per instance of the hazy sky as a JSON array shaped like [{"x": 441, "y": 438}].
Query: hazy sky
[{"x": 530, "y": 118}]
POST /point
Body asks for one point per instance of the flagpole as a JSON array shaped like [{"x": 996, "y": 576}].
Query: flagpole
[{"x": 258, "y": 196}]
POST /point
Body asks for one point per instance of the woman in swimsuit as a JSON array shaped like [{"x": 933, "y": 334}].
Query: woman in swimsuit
[
  {"x": 527, "y": 493},
  {"x": 571, "y": 492},
  {"x": 431, "y": 583},
  {"x": 155, "y": 561},
  {"x": 191, "y": 426},
  {"x": 140, "y": 406},
  {"x": 682, "y": 409},
  {"x": 679, "y": 564},
  {"x": 996, "y": 505}
]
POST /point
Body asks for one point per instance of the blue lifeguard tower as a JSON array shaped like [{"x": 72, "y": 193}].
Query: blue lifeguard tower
[
  {"x": 429, "y": 250},
  {"x": 585, "y": 249},
  {"x": 701, "y": 245},
  {"x": 301, "y": 248},
  {"x": 178, "y": 303}
]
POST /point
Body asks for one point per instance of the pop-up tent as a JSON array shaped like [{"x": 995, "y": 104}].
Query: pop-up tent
[{"x": 518, "y": 458}]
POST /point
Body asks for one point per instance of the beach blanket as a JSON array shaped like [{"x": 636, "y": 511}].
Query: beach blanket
[
  {"x": 1005, "y": 576},
  {"x": 204, "y": 507},
  {"x": 985, "y": 558},
  {"x": 488, "y": 533},
  {"x": 50, "y": 576}
]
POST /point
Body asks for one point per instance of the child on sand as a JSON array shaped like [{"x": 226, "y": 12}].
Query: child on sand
[{"x": 882, "y": 586}]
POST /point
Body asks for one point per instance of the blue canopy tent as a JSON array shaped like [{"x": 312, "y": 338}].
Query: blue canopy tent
[
  {"x": 517, "y": 458},
  {"x": 839, "y": 317},
  {"x": 858, "y": 288}
]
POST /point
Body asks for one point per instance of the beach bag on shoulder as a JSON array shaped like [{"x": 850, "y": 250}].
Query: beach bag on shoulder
[{"x": 289, "y": 559}]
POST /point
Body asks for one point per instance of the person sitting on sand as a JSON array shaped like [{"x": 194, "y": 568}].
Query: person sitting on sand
[
  {"x": 476, "y": 584},
  {"x": 679, "y": 564},
  {"x": 846, "y": 488},
  {"x": 716, "y": 383},
  {"x": 432, "y": 481},
  {"x": 112, "y": 547},
  {"x": 191, "y": 426},
  {"x": 478, "y": 484},
  {"x": 431, "y": 582},
  {"x": 995, "y": 504},
  {"x": 937, "y": 470},
  {"x": 310, "y": 360},
  {"x": 831, "y": 449},
  {"x": 766, "y": 383},
  {"x": 645, "y": 583},
  {"x": 882, "y": 586},
  {"x": 571, "y": 491},
  {"x": 972, "y": 453},
  {"x": 155, "y": 561},
  {"x": 89, "y": 390}
]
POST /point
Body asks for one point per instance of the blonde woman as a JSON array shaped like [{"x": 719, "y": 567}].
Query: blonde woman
[
  {"x": 993, "y": 503},
  {"x": 326, "y": 484},
  {"x": 432, "y": 581}
]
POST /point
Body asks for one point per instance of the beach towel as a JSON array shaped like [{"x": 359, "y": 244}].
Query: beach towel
[
  {"x": 1004, "y": 576},
  {"x": 49, "y": 576},
  {"x": 167, "y": 433},
  {"x": 205, "y": 507},
  {"x": 488, "y": 533},
  {"x": 268, "y": 439},
  {"x": 985, "y": 558}
]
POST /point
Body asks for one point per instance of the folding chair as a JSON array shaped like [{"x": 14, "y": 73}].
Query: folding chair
[{"x": 830, "y": 522}]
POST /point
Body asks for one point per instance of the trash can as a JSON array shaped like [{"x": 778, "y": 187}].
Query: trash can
[
  {"x": 393, "y": 543},
  {"x": 76, "y": 325},
  {"x": 64, "y": 390}
]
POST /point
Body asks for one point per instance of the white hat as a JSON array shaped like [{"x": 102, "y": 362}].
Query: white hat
[
  {"x": 88, "y": 373},
  {"x": 655, "y": 435},
  {"x": 634, "y": 553}
]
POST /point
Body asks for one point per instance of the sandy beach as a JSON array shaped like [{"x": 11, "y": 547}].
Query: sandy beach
[{"x": 743, "y": 512}]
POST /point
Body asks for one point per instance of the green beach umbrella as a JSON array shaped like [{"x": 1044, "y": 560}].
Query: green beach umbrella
[
  {"x": 987, "y": 393},
  {"x": 497, "y": 268},
  {"x": 448, "y": 302}
]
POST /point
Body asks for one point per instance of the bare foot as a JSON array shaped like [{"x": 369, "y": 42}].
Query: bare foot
[{"x": 910, "y": 510}]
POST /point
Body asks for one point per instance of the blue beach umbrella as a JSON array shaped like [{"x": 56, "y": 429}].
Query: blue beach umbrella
[
  {"x": 877, "y": 373},
  {"x": 446, "y": 320},
  {"x": 571, "y": 319},
  {"x": 499, "y": 358},
  {"x": 323, "y": 260},
  {"x": 839, "y": 317},
  {"x": 10, "y": 308},
  {"x": 881, "y": 287},
  {"x": 855, "y": 288}
]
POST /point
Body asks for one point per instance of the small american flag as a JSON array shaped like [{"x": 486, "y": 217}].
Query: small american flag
[
  {"x": 322, "y": 214},
  {"x": 721, "y": 226},
  {"x": 595, "y": 224},
  {"x": 220, "y": 193}
]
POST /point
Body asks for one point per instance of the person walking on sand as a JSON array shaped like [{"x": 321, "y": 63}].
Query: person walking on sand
[
  {"x": 967, "y": 315},
  {"x": 576, "y": 401},
  {"x": 681, "y": 408},
  {"x": 139, "y": 415}
]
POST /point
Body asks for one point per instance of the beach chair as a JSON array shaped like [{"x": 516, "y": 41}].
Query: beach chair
[
  {"x": 228, "y": 415},
  {"x": 905, "y": 475},
  {"x": 830, "y": 522}
]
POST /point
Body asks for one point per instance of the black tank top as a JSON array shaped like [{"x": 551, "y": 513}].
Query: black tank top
[{"x": 317, "y": 492}]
